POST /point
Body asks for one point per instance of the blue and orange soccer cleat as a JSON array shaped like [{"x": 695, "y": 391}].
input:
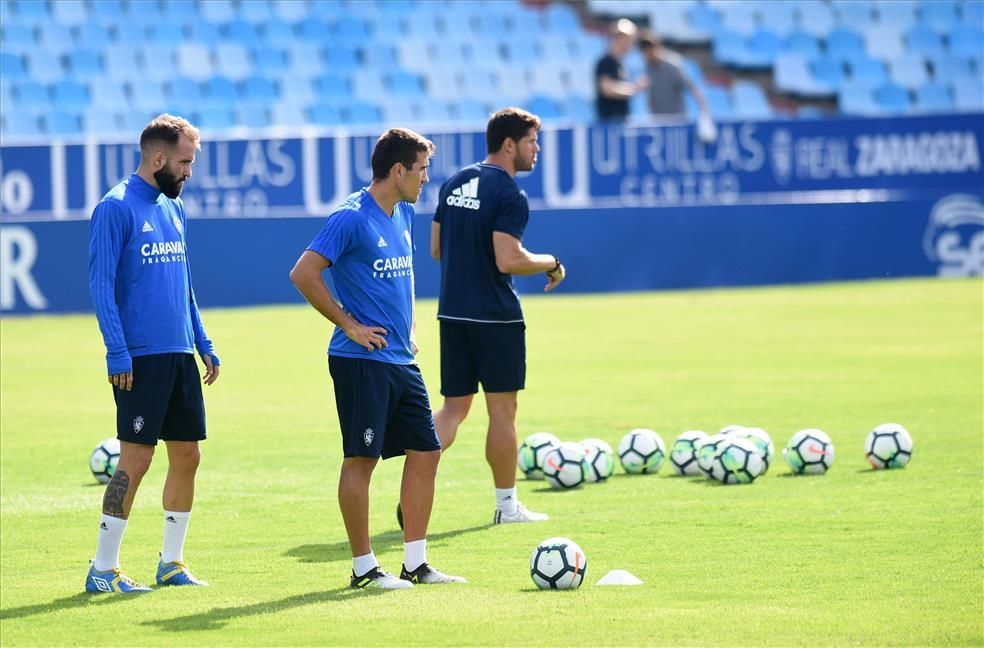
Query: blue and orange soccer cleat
[
  {"x": 112, "y": 581},
  {"x": 176, "y": 573}
]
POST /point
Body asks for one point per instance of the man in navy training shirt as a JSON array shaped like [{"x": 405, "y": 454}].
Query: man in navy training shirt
[
  {"x": 382, "y": 403},
  {"x": 140, "y": 280},
  {"x": 477, "y": 234}
]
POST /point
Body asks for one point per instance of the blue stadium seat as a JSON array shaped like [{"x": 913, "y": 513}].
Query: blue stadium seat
[
  {"x": 204, "y": 33},
  {"x": 924, "y": 40},
  {"x": 216, "y": 11},
  {"x": 387, "y": 27},
  {"x": 17, "y": 38},
  {"x": 305, "y": 60},
  {"x": 431, "y": 111},
  {"x": 703, "y": 18},
  {"x": 147, "y": 96},
  {"x": 314, "y": 30},
  {"x": 215, "y": 119},
  {"x": 56, "y": 38},
  {"x": 341, "y": 58},
  {"x": 252, "y": 116},
  {"x": 766, "y": 44},
  {"x": 332, "y": 89},
  {"x": 297, "y": 91},
  {"x": 968, "y": 95},
  {"x": 160, "y": 62},
  {"x": 277, "y": 33},
  {"x": 22, "y": 124},
  {"x": 893, "y": 99},
  {"x": 492, "y": 23},
  {"x": 85, "y": 65},
  {"x": 258, "y": 89},
  {"x": 469, "y": 110},
  {"x": 185, "y": 92},
  {"x": 326, "y": 115},
  {"x": 350, "y": 32},
  {"x": 799, "y": 42},
  {"x": 909, "y": 71},
  {"x": 404, "y": 84},
  {"x": 12, "y": 67},
  {"x": 232, "y": 60},
  {"x": 545, "y": 107},
  {"x": 100, "y": 122},
  {"x": 933, "y": 97},
  {"x": 855, "y": 100},
  {"x": 70, "y": 95},
  {"x": 718, "y": 102},
  {"x": 967, "y": 40},
  {"x": 525, "y": 25},
  {"x": 828, "y": 71},
  {"x": 32, "y": 13},
  {"x": 270, "y": 61},
  {"x": 737, "y": 17},
  {"x": 92, "y": 35},
  {"x": 257, "y": 12},
  {"x": 166, "y": 32},
  {"x": 561, "y": 19},
  {"x": 135, "y": 121},
  {"x": 145, "y": 14},
  {"x": 61, "y": 123},
  {"x": 45, "y": 67},
  {"x": 954, "y": 69},
  {"x": 242, "y": 32},
  {"x": 729, "y": 47},
  {"x": 815, "y": 17},
  {"x": 857, "y": 14},
  {"x": 521, "y": 53},
  {"x": 379, "y": 56},
  {"x": 972, "y": 12},
  {"x": 293, "y": 11},
  {"x": 195, "y": 61},
  {"x": 108, "y": 97},
  {"x": 220, "y": 92},
  {"x": 32, "y": 96},
  {"x": 939, "y": 15},
  {"x": 106, "y": 13},
  {"x": 778, "y": 16},
  {"x": 868, "y": 71},
  {"x": 369, "y": 87},
  {"x": 897, "y": 14},
  {"x": 883, "y": 42},
  {"x": 421, "y": 25},
  {"x": 749, "y": 101},
  {"x": 129, "y": 34},
  {"x": 844, "y": 44},
  {"x": 361, "y": 112},
  {"x": 287, "y": 115}
]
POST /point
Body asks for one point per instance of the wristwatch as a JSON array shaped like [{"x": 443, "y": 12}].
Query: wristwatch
[{"x": 556, "y": 267}]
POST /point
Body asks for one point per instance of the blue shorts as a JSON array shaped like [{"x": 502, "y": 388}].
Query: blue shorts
[
  {"x": 383, "y": 408},
  {"x": 165, "y": 403},
  {"x": 491, "y": 354}
]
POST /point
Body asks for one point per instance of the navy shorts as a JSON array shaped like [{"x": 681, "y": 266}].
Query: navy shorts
[
  {"x": 491, "y": 354},
  {"x": 383, "y": 408},
  {"x": 165, "y": 403}
]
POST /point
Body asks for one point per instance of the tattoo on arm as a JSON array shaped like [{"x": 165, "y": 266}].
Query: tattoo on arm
[{"x": 115, "y": 494}]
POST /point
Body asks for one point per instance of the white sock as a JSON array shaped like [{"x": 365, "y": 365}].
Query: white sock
[
  {"x": 175, "y": 530},
  {"x": 363, "y": 564},
  {"x": 505, "y": 500},
  {"x": 110, "y": 538},
  {"x": 414, "y": 554}
]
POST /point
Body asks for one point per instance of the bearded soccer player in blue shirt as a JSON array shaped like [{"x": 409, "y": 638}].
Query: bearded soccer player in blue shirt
[
  {"x": 477, "y": 234},
  {"x": 383, "y": 408},
  {"x": 140, "y": 280}
]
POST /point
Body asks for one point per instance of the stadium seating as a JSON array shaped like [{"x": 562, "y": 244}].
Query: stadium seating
[{"x": 259, "y": 63}]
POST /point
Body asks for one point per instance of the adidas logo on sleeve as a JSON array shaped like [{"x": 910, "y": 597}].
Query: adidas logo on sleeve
[{"x": 465, "y": 196}]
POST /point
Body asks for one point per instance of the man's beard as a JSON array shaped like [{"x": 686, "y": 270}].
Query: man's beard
[
  {"x": 169, "y": 183},
  {"x": 522, "y": 164}
]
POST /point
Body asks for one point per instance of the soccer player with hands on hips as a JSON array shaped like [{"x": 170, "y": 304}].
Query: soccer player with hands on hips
[
  {"x": 140, "y": 281},
  {"x": 382, "y": 403},
  {"x": 477, "y": 235}
]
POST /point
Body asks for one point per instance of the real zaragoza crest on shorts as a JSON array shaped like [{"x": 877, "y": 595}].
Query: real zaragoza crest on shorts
[
  {"x": 368, "y": 436},
  {"x": 138, "y": 424}
]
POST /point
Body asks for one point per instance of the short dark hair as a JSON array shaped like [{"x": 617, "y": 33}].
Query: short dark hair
[
  {"x": 168, "y": 129},
  {"x": 398, "y": 145},
  {"x": 512, "y": 123}
]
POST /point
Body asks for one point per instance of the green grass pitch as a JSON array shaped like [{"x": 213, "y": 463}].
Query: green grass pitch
[{"x": 852, "y": 557}]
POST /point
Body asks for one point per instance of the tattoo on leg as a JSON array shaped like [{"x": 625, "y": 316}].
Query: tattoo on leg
[{"x": 115, "y": 494}]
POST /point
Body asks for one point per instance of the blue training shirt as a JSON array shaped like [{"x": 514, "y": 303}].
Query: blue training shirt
[
  {"x": 140, "y": 277},
  {"x": 371, "y": 257},
  {"x": 475, "y": 202}
]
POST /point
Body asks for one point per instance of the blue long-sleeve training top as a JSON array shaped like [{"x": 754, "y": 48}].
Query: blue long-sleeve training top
[{"x": 140, "y": 277}]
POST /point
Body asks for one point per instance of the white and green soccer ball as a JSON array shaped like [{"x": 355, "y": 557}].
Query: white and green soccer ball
[
  {"x": 738, "y": 462},
  {"x": 809, "y": 452},
  {"x": 565, "y": 467},
  {"x": 683, "y": 452},
  {"x": 103, "y": 460},
  {"x": 888, "y": 446},
  {"x": 762, "y": 441},
  {"x": 532, "y": 452},
  {"x": 600, "y": 460},
  {"x": 708, "y": 449},
  {"x": 641, "y": 451},
  {"x": 558, "y": 563}
]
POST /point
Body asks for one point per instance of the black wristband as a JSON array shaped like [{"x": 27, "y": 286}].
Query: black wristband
[{"x": 556, "y": 267}]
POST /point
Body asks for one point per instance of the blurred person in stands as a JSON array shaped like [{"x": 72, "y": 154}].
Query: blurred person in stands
[
  {"x": 613, "y": 90},
  {"x": 140, "y": 280},
  {"x": 667, "y": 79}
]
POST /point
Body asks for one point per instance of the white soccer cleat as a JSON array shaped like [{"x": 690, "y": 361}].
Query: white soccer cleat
[
  {"x": 427, "y": 575},
  {"x": 377, "y": 578},
  {"x": 522, "y": 514}
]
